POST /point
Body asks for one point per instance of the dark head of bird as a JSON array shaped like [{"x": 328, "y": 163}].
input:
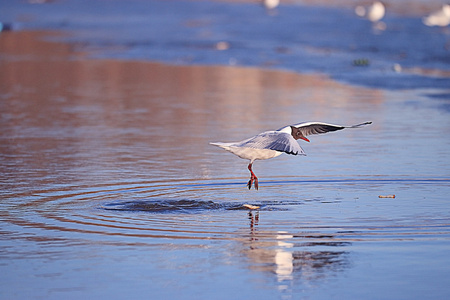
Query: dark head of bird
[{"x": 297, "y": 134}]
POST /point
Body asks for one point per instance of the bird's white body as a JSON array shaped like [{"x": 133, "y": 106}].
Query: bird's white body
[
  {"x": 248, "y": 153},
  {"x": 265, "y": 145}
]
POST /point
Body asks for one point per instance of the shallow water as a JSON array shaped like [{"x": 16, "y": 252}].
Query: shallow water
[{"x": 110, "y": 189}]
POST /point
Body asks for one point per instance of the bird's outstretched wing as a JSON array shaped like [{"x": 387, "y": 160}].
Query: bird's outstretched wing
[
  {"x": 308, "y": 128},
  {"x": 273, "y": 140}
]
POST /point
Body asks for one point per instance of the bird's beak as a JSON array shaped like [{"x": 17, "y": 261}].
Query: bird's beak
[{"x": 304, "y": 138}]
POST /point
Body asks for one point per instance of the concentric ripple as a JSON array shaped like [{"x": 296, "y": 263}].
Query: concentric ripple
[
  {"x": 305, "y": 228},
  {"x": 214, "y": 209}
]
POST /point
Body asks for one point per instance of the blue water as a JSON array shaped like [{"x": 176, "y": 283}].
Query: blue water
[{"x": 109, "y": 188}]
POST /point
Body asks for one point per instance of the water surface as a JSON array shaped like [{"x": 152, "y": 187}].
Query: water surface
[{"x": 109, "y": 188}]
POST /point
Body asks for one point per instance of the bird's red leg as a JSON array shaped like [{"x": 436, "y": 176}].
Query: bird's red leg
[
  {"x": 253, "y": 178},
  {"x": 250, "y": 182}
]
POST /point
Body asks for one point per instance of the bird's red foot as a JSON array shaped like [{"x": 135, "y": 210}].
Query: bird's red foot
[
  {"x": 251, "y": 182},
  {"x": 253, "y": 178}
]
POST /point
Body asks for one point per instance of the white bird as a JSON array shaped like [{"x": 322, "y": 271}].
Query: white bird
[
  {"x": 439, "y": 18},
  {"x": 271, "y": 4},
  {"x": 271, "y": 144},
  {"x": 374, "y": 13}
]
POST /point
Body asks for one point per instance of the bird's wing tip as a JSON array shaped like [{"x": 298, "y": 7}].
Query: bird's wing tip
[{"x": 362, "y": 124}]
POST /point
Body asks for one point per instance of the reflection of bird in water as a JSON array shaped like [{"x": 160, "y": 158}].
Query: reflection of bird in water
[
  {"x": 271, "y": 144},
  {"x": 254, "y": 219},
  {"x": 291, "y": 257},
  {"x": 374, "y": 13},
  {"x": 439, "y": 18}
]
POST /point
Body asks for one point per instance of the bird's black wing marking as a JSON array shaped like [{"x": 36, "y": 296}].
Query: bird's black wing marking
[
  {"x": 318, "y": 128},
  {"x": 309, "y": 128}
]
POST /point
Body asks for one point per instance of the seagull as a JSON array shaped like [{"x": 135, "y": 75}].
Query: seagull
[
  {"x": 373, "y": 13},
  {"x": 271, "y": 4},
  {"x": 376, "y": 11},
  {"x": 439, "y": 18},
  {"x": 271, "y": 144}
]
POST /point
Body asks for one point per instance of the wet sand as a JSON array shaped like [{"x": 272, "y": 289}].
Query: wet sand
[{"x": 109, "y": 188}]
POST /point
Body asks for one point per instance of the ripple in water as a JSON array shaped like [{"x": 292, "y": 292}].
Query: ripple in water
[
  {"x": 157, "y": 209},
  {"x": 164, "y": 206},
  {"x": 293, "y": 237}
]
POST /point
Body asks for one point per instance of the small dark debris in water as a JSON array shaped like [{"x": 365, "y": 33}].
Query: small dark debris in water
[
  {"x": 386, "y": 196},
  {"x": 361, "y": 62}
]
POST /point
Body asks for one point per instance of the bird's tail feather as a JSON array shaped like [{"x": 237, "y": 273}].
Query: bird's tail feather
[{"x": 219, "y": 144}]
